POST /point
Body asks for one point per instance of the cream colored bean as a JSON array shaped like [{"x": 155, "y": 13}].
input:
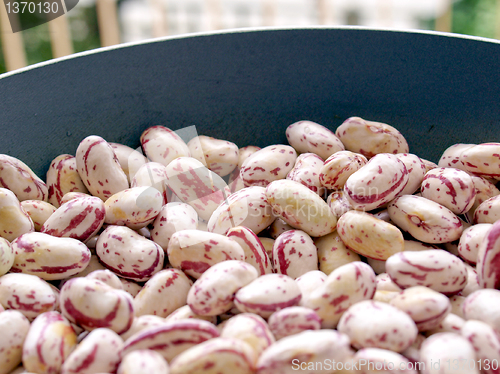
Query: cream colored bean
[
  {"x": 99, "y": 352},
  {"x": 152, "y": 174},
  {"x": 143, "y": 362},
  {"x": 255, "y": 253},
  {"x": 166, "y": 291},
  {"x": 470, "y": 241},
  {"x": 49, "y": 257},
  {"x": 482, "y": 159},
  {"x": 378, "y": 266},
  {"x": 451, "y": 156},
  {"x": 163, "y": 145},
  {"x": 14, "y": 327},
  {"x": 425, "y": 219},
  {"x": 277, "y": 228},
  {"x": 488, "y": 211},
  {"x": 338, "y": 203},
  {"x": 106, "y": 276},
  {"x": 131, "y": 287},
  {"x": 310, "y": 282},
  {"x": 384, "y": 296},
  {"x": 333, "y": 253},
  {"x": 308, "y": 136},
  {"x": 141, "y": 323},
  {"x": 185, "y": 312},
  {"x": 385, "y": 283},
  {"x": 483, "y": 305},
  {"x": 99, "y": 168},
  {"x": 429, "y": 165},
  {"x": 293, "y": 320},
  {"x": 7, "y": 256},
  {"x": 268, "y": 244},
  {"x": 451, "y": 323},
  {"x": 339, "y": 167},
  {"x": 370, "y": 138},
  {"x": 294, "y": 254},
  {"x": 486, "y": 344},
  {"x": 376, "y": 183},
  {"x": 472, "y": 281},
  {"x": 73, "y": 195},
  {"x": 416, "y": 172},
  {"x": 457, "y": 302},
  {"x": 307, "y": 171},
  {"x": 394, "y": 329},
  {"x": 488, "y": 261},
  {"x": 39, "y": 211},
  {"x": 218, "y": 155},
  {"x": 48, "y": 331},
  {"x": 389, "y": 361},
  {"x": 131, "y": 160},
  {"x": 301, "y": 208},
  {"x": 14, "y": 221},
  {"x": 484, "y": 190},
  {"x": 63, "y": 177}
]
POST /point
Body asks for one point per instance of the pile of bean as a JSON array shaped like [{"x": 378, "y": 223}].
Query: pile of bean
[{"x": 338, "y": 253}]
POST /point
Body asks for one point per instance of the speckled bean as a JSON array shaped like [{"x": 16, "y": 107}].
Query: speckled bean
[
  {"x": 143, "y": 362},
  {"x": 14, "y": 221},
  {"x": 416, "y": 172},
  {"x": 333, "y": 253},
  {"x": 488, "y": 211},
  {"x": 340, "y": 166},
  {"x": 39, "y": 211},
  {"x": 7, "y": 256},
  {"x": 63, "y": 177},
  {"x": 484, "y": 190},
  {"x": 389, "y": 362},
  {"x": 73, "y": 195},
  {"x": 218, "y": 155},
  {"x": 131, "y": 160},
  {"x": 470, "y": 241},
  {"x": 483, "y": 305},
  {"x": 488, "y": 260},
  {"x": 385, "y": 283},
  {"x": 152, "y": 174},
  {"x": 14, "y": 327},
  {"x": 293, "y": 320},
  {"x": 141, "y": 323},
  {"x": 451, "y": 156},
  {"x": 255, "y": 253},
  {"x": 308, "y": 136},
  {"x": 294, "y": 254},
  {"x": 163, "y": 145},
  {"x": 129, "y": 254},
  {"x": 472, "y": 281},
  {"x": 106, "y": 276},
  {"x": 277, "y": 228},
  {"x": 307, "y": 171},
  {"x": 451, "y": 323},
  {"x": 309, "y": 282},
  {"x": 338, "y": 203},
  {"x": 486, "y": 343},
  {"x": 482, "y": 159},
  {"x": 185, "y": 312},
  {"x": 99, "y": 168}
]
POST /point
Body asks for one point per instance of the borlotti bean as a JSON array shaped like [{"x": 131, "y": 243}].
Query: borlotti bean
[
  {"x": 387, "y": 361},
  {"x": 294, "y": 254},
  {"x": 129, "y": 254},
  {"x": 450, "y": 350},
  {"x": 333, "y": 253},
  {"x": 483, "y": 305},
  {"x": 338, "y": 203},
  {"x": 49, "y": 342},
  {"x": 425, "y": 219},
  {"x": 16, "y": 176},
  {"x": 218, "y": 155},
  {"x": 99, "y": 168},
  {"x": 99, "y": 352},
  {"x": 426, "y": 307},
  {"x": 171, "y": 218},
  {"x": 91, "y": 304},
  {"x": 451, "y": 156},
  {"x": 143, "y": 361},
  {"x": 14, "y": 221},
  {"x": 7, "y": 256},
  {"x": 80, "y": 218},
  {"x": 338, "y": 167},
  {"x": 416, "y": 172},
  {"x": 106, "y": 276},
  {"x": 162, "y": 145},
  {"x": 370, "y": 138},
  {"x": 488, "y": 261},
  {"x": 212, "y": 294},
  {"x": 194, "y": 251},
  {"x": 482, "y": 159},
  {"x": 393, "y": 330},
  {"x": 49, "y": 257},
  {"x": 73, "y": 195},
  {"x": 471, "y": 239},
  {"x": 141, "y": 323},
  {"x": 369, "y": 236},
  {"x": 308, "y": 136},
  {"x": 307, "y": 171},
  {"x": 385, "y": 283},
  {"x": 152, "y": 174},
  {"x": 376, "y": 183},
  {"x": 486, "y": 344},
  {"x": 250, "y": 328},
  {"x": 28, "y": 294},
  {"x": 185, "y": 312},
  {"x": 165, "y": 292},
  {"x": 255, "y": 253},
  {"x": 345, "y": 286},
  {"x": 488, "y": 211},
  {"x": 268, "y": 164},
  {"x": 247, "y": 207},
  {"x": 268, "y": 294},
  {"x": 171, "y": 338},
  {"x": 14, "y": 327},
  {"x": 131, "y": 160},
  {"x": 293, "y": 320},
  {"x": 484, "y": 190},
  {"x": 309, "y": 282},
  {"x": 196, "y": 185},
  {"x": 63, "y": 177},
  {"x": 451, "y": 323},
  {"x": 300, "y": 207},
  {"x": 277, "y": 228},
  {"x": 303, "y": 351},
  {"x": 39, "y": 211},
  {"x": 472, "y": 281}
]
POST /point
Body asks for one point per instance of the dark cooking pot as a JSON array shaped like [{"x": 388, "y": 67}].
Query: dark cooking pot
[{"x": 248, "y": 86}]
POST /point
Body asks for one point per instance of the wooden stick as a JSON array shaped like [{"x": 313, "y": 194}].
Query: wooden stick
[
  {"x": 12, "y": 43},
  {"x": 323, "y": 12},
  {"x": 497, "y": 29},
  {"x": 268, "y": 12},
  {"x": 60, "y": 37},
  {"x": 107, "y": 18},
  {"x": 159, "y": 27},
  {"x": 214, "y": 11},
  {"x": 443, "y": 22}
]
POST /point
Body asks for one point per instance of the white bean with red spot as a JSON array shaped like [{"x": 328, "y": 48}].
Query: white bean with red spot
[
  {"x": 72, "y": 195},
  {"x": 307, "y": 171},
  {"x": 451, "y": 156},
  {"x": 333, "y": 253},
  {"x": 488, "y": 211},
  {"x": 306, "y": 348},
  {"x": 425, "y": 219},
  {"x": 345, "y": 286},
  {"x": 376, "y": 183},
  {"x": 14, "y": 221},
  {"x": 339, "y": 167},
  {"x": 92, "y": 304},
  {"x": 486, "y": 343},
  {"x": 134, "y": 207},
  {"x": 426, "y": 307},
  {"x": 99, "y": 168},
  {"x": 389, "y": 362},
  {"x": 448, "y": 347},
  {"x": 309, "y": 282},
  {"x": 131, "y": 160},
  {"x": 268, "y": 294},
  {"x": 247, "y": 207},
  {"x": 301, "y": 208},
  {"x": 63, "y": 177},
  {"x": 416, "y": 172},
  {"x": 308, "y": 136},
  {"x": 16, "y": 176},
  {"x": 370, "y": 138},
  {"x": 218, "y": 155},
  {"x": 451, "y": 323},
  {"x": 49, "y": 257},
  {"x": 488, "y": 261},
  {"x": 293, "y": 320},
  {"x": 434, "y": 268},
  {"x": 482, "y": 159},
  {"x": 429, "y": 165},
  {"x": 294, "y": 254},
  {"x": 143, "y": 362},
  {"x": 471, "y": 239},
  {"x": 484, "y": 190},
  {"x": 166, "y": 291},
  {"x": 106, "y": 276},
  {"x": 483, "y": 305},
  {"x": 14, "y": 327},
  {"x": 48, "y": 331},
  {"x": 196, "y": 185},
  {"x": 99, "y": 352},
  {"x": 80, "y": 218},
  {"x": 39, "y": 211},
  {"x": 267, "y": 165},
  {"x": 185, "y": 312},
  {"x": 277, "y": 228},
  {"x": 338, "y": 203},
  {"x": 255, "y": 253},
  {"x": 385, "y": 283},
  {"x": 152, "y": 174},
  {"x": 171, "y": 338},
  {"x": 373, "y": 324},
  {"x": 472, "y": 281},
  {"x": 163, "y": 145},
  {"x": 129, "y": 254},
  {"x": 7, "y": 256},
  {"x": 28, "y": 294},
  {"x": 141, "y": 323}
]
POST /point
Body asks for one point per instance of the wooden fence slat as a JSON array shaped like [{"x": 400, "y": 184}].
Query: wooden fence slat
[
  {"x": 107, "y": 18},
  {"x": 60, "y": 37},
  {"x": 12, "y": 43}
]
